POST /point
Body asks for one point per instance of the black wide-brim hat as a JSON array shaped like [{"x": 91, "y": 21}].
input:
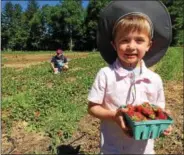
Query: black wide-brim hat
[{"x": 157, "y": 13}]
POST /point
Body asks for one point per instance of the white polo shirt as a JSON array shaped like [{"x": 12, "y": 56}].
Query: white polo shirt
[{"x": 115, "y": 86}]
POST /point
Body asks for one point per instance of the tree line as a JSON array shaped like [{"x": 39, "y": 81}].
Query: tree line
[{"x": 67, "y": 25}]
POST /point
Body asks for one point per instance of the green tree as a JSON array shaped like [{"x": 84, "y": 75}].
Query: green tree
[
  {"x": 72, "y": 17},
  {"x": 46, "y": 40},
  {"x": 176, "y": 10},
  {"x": 91, "y": 21},
  {"x": 6, "y": 25},
  {"x": 177, "y": 14},
  {"x": 32, "y": 8},
  {"x": 31, "y": 28},
  {"x": 19, "y": 36},
  {"x": 55, "y": 26},
  {"x": 13, "y": 34}
]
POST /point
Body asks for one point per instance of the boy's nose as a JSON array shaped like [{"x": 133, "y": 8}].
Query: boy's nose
[{"x": 132, "y": 45}]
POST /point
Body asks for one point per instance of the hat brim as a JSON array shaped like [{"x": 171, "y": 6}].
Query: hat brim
[{"x": 159, "y": 16}]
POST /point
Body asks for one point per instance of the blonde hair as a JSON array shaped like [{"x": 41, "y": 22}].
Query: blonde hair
[{"x": 131, "y": 23}]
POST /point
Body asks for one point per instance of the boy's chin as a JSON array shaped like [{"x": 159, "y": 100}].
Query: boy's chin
[{"x": 132, "y": 63}]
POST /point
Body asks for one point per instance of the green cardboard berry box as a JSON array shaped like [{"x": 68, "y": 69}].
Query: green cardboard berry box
[{"x": 149, "y": 129}]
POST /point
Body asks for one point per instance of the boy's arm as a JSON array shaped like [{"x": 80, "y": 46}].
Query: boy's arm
[
  {"x": 52, "y": 63},
  {"x": 161, "y": 103},
  {"x": 101, "y": 113},
  {"x": 98, "y": 111},
  {"x": 95, "y": 105},
  {"x": 65, "y": 60},
  {"x": 96, "y": 97}
]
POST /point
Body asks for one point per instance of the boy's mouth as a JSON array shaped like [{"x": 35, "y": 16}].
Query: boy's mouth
[{"x": 131, "y": 55}]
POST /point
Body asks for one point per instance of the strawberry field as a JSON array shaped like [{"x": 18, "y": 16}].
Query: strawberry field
[{"x": 44, "y": 113}]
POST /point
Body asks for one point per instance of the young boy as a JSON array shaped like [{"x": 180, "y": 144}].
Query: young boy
[
  {"x": 59, "y": 62},
  {"x": 127, "y": 32}
]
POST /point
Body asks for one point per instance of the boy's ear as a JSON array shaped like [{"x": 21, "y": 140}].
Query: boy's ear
[{"x": 113, "y": 45}]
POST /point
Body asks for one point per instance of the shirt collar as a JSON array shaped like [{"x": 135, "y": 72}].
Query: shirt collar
[{"x": 123, "y": 72}]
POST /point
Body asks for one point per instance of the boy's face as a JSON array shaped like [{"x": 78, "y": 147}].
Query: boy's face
[
  {"x": 59, "y": 54},
  {"x": 131, "y": 47}
]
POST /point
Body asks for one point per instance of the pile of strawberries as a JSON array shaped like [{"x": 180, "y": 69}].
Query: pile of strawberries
[{"x": 145, "y": 112}]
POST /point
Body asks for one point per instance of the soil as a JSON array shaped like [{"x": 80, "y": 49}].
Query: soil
[
  {"x": 18, "y": 61},
  {"x": 85, "y": 139}
]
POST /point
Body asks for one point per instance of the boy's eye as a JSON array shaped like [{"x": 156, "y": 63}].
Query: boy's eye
[
  {"x": 124, "y": 40},
  {"x": 140, "y": 40}
]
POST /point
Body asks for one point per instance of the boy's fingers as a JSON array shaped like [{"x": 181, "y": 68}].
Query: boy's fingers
[
  {"x": 168, "y": 131},
  {"x": 123, "y": 126},
  {"x": 168, "y": 112},
  {"x": 124, "y": 110},
  {"x": 169, "y": 128}
]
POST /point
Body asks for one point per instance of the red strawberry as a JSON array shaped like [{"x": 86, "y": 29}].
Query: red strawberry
[
  {"x": 148, "y": 112},
  {"x": 130, "y": 107},
  {"x": 162, "y": 115},
  {"x": 130, "y": 113},
  {"x": 156, "y": 118},
  {"x": 138, "y": 117},
  {"x": 138, "y": 108},
  {"x": 156, "y": 109},
  {"x": 141, "y": 116},
  {"x": 159, "y": 113}
]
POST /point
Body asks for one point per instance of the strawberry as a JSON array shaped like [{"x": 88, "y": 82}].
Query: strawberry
[
  {"x": 156, "y": 109},
  {"x": 156, "y": 118},
  {"x": 159, "y": 113},
  {"x": 130, "y": 107},
  {"x": 130, "y": 113},
  {"x": 152, "y": 116},
  {"x": 162, "y": 115},
  {"x": 148, "y": 112},
  {"x": 145, "y": 112},
  {"x": 138, "y": 108},
  {"x": 138, "y": 117},
  {"x": 135, "y": 118}
]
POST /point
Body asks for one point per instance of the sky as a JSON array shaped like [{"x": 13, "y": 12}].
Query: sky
[{"x": 23, "y": 3}]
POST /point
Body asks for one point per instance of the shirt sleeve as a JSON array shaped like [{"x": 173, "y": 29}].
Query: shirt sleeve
[
  {"x": 65, "y": 60},
  {"x": 96, "y": 94},
  {"x": 160, "y": 94},
  {"x": 53, "y": 60}
]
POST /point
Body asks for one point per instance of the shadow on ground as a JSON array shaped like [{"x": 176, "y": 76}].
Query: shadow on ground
[{"x": 68, "y": 149}]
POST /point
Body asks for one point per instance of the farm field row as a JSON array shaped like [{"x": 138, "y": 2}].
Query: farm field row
[{"x": 41, "y": 111}]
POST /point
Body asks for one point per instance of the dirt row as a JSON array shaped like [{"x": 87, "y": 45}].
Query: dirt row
[{"x": 86, "y": 138}]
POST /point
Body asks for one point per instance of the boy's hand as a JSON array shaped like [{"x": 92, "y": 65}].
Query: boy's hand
[
  {"x": 169, "y": 129},
  {"x": 167, "y": 132},
  {"x": 119, "y": 119},
  {"x": 55, "y": 69}
]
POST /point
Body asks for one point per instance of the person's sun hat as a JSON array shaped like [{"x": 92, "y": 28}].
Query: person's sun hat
[
  {"x": 59, "y": 51},
  {"x": 158, "y": 17}
]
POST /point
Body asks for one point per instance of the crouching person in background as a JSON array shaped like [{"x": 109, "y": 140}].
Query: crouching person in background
[{"x": 59, "y": 62}]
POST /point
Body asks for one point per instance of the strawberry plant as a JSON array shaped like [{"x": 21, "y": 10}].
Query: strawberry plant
[{"x": 49, "y": 103}]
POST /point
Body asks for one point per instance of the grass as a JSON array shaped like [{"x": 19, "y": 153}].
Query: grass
[
  {"x": 54, "y": 103},
  {"x": 49, "y": 102},
  {"x": 171, "y": 66}
]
